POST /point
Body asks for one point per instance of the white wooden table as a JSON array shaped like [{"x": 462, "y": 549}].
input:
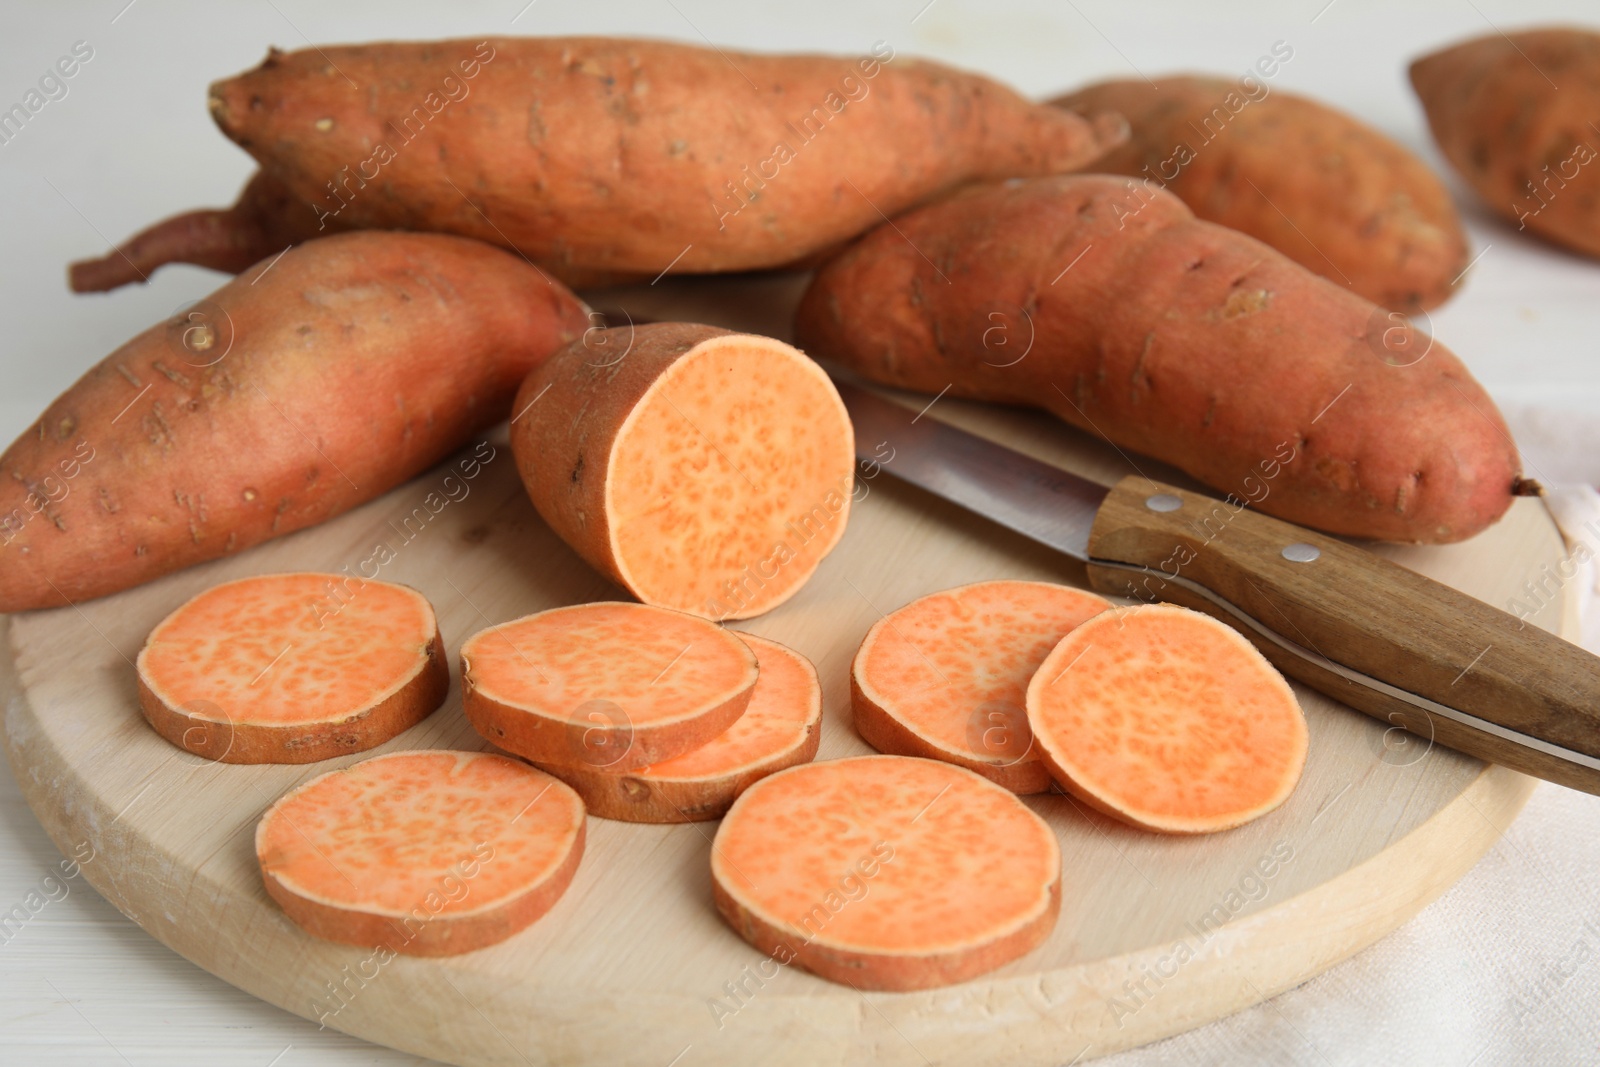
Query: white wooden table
[{"x": 1503, "y": 969}]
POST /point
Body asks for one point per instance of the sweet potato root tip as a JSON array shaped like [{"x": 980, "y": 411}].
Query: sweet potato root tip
[
  {"x": 884, "y": 872},
  {"x": 1172, "y": 336},
  {"x": 945, "y": 676},
  {"x": 780, "y": 727},
  {"x": 1328, "y": 191},
  {"x": 424, "y": 853},
  {"x": 710, "y": 472},
  {"x": 1167, "y": 719},
  {"x": 312, "y": 383},
  {"x": 292, "y": 668},
  {"x": 608, "y": 685},
  {"x": 266, "y": 219}
]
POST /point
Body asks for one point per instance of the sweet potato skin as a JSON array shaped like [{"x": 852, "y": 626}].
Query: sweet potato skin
[
  {"x": 308, "y": 385},
  {"x": 1176, "y": 338},
  {"x": 1524, "y": 145},
  {"x": 589, "y": 153},
  {"x": 1328, "y": 191}
]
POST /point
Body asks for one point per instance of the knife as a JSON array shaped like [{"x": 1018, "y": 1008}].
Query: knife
[{"x": 1405, "y": 649}]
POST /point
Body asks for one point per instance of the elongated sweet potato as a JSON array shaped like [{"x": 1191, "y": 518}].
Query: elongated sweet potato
[
  {"x": 944, "y": 677},
  {"x": 611, "y": 685},
  {"x": 884, "y": 872},
  {"x": 422, "y": 853},
  {"x": 306, "y": 386},
  {"x": 292, "y": 668},
  {"x": 1328, "y": 191},
  {"x": 592, "y": 154},
  {"x": 699, "y": 469},
  {"x": 780, "y": 727},
  {"x": 1515, "y": 114},
  {"x": 1167, "y": 719},
  {"x": 1113, "y": 307}
]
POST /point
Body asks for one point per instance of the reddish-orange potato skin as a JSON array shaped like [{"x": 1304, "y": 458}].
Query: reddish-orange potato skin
[
  {"x": 349, "y": 365},
  {"x": 1176, "y": 338},
  {"x": 1330, "y": 192},
  {"x": 606, "y": 154},
  {"x": 1515, "y": 116}
]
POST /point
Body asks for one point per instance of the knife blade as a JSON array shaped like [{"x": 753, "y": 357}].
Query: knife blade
[{"x": 1407, "y": 650}]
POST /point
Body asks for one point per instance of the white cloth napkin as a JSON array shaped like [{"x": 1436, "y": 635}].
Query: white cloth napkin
[{"x": 1504, "y": 968}]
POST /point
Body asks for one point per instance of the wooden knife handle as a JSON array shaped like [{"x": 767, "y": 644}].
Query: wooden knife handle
[{"x": 1383, "y": 639}]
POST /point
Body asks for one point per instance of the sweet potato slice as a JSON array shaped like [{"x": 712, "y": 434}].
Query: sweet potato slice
[
  {"x": 423, "y": 853},
  {"x": 884, "y": 872},
  {"x": 292, "y": 668},
  {"x": 700, "y": 469},
  {"x": 945, "y": 676},
  {"x": 611, "y": 685},
  {"x": 780, "y": 727},
  {"x": 1167, "y": 719}
]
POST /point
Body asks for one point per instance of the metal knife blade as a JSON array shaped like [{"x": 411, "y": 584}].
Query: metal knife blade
[{"x": 1045, "y": 503}]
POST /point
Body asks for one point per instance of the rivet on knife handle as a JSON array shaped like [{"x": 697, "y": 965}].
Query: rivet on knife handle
[{"x": 1405, "y": 649}]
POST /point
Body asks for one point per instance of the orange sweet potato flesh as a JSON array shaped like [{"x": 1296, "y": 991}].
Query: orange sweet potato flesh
[
  {"x": 780, "y": 727},
  {"x": 292, "y": 668},
  {"x": 422, "y": 853},
  {"x": 886, "y": 872},
  {"x": 1514, "y": 114},
  {"x": 944, "y": 677},
  {"x": 1167, "y": 719},
  {"x": 612, "y": 685},
  {"x": 308, "y": 385},
  {"x": 1121, "y": 313},
  {"x": 701, "y": 470},
  {"x": 1328, "y": 191},
  {"x": 626, "y": 156}
]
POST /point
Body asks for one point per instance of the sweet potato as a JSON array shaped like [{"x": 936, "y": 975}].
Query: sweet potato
[
  {"x": 593, "y": 154},
  {"x": 611, "y": 685},
  {"x": 1328, "y": 191},
  {"x": 1167, "y": 719},
  {"x": 422, "y": 853},
  {"x": 780, "y": 727},
  {"x": 308, "y": 385},
  {"x": 944, "y": 676},
  {"x": 699, "y": 469},
  {"x": 884, "y": 872},
  {"x": 1515, "y": 115},
  {"x": 1117, "y": 310},
  {"x": 292, "y": 668}
]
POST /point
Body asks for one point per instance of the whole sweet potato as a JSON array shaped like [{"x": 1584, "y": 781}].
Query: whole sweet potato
[
  {"x": 601, "y": 157},
  {"x": 1516, "y": 116},
  {"x": 305, "y": 386},
  {"x": 1330, "y": 192},
  {"x": 1111, "y": 305}
]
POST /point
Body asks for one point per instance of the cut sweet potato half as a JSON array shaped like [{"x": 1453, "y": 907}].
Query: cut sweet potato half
[
  {"x": 292, "y": 668},
  {"x": 885, "y": 872},
  {"x": 780, "y": 727},
  {"x": 699, "y": 469},
  {"x": 426, "y": 853},
  {"x": 609, "y": 685},
  {"x": 1167, "y": 719},
  {"x": 945, "y": 677}
]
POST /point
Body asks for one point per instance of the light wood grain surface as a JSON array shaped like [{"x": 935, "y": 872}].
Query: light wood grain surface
[{"x": 629, "y": 966}]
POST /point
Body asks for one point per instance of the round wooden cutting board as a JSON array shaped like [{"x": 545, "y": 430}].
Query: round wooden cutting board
[{"x": 633, "y": 966}]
